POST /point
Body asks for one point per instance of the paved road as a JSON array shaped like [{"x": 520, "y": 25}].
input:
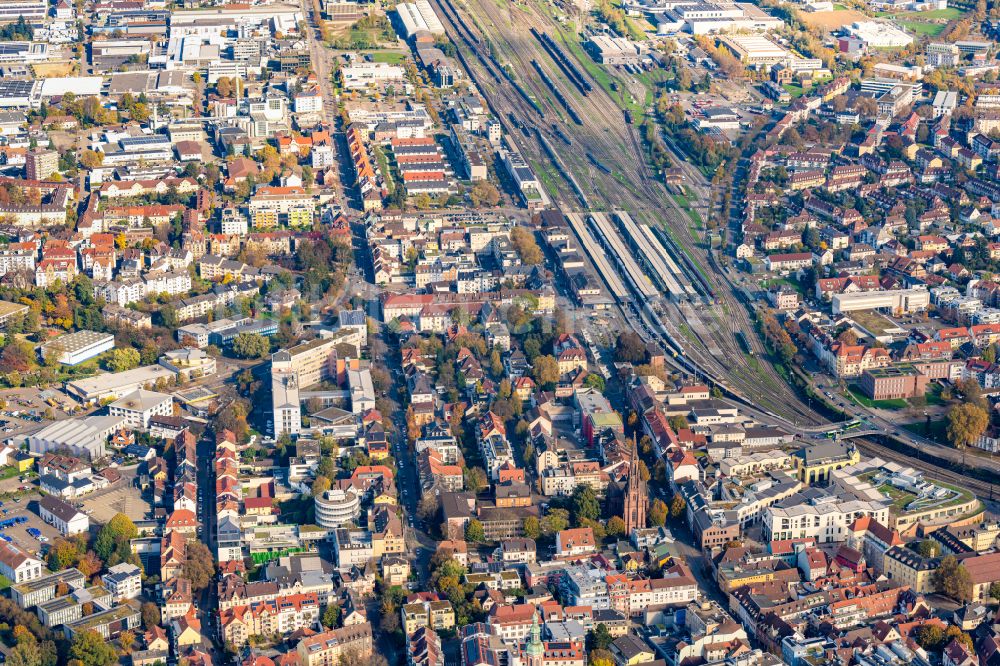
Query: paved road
[
  {"x": 321, "y": 56},
  {"x": 891, "y": 427},
  {"x": 206, "y": 491},
  {"x": 420, "y": 546}
]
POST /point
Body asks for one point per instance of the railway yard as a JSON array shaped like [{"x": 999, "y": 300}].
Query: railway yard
[
  {"x": 666, "y": 281},
  {"x": 534, "y": 84},
  {"x": 665, "y": 284},
  {"x": 530, "y": 333}
]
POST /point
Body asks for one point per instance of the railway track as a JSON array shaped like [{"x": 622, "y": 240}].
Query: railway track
[
  {"x": 505, "y": 101},
  {"x": 982, "y": 489},
  {"x": 744, "y": 376},
  {"x": 607, "y": 140}
]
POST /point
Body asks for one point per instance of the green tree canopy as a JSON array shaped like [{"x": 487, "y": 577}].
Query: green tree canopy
[
  {"x": 199, "y": 565},
  {"x": 474, "y": 532},
  {"x": 658, "y": 513},
  {"x": 92, "y": 650},
  {"x": 585, "y": 503},
  {"x": 251, "y": 345},
  {"x": 615, "y": 527},
  {"x": 112, "y": 544},
  {"x": 556, "y": 520},
  {"x": 532, "y": 527},
  {"x": 966, "y": 422},
  {"x": 122, "y": 359},
  {"x": 545, "y": 370},
  {"x": 630, "y": 348},
  {"x": 952, "y": 579}
]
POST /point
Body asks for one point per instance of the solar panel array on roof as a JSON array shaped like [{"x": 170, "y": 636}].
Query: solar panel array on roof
[
  {"x": 15, "y": 88},
  {"x": 135, "y": 141},
  {"x": 14, "y": 48}
]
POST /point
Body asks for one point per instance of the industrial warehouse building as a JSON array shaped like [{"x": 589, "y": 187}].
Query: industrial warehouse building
[
  {"x": 896, "y": 300},
  {"x": 755, "y": 50},
  {"x": 75, "y": 348},
  {"x": 418, "y": 17},
  {"x": 86, "y": 437},
  {"x": 609, "y": 50}
]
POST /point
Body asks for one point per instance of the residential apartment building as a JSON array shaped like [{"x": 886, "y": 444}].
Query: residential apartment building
[
  {"x": 123, "y": 581},
  {"x": 326, "y": 649},
  {"x": 824, "y": 519}
]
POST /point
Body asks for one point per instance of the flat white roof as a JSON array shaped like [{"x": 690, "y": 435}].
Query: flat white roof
[
  {"x": 756, "y": 46},
  {"x": 76, "y": 342},
  {"x": 78, "y": 85},
  {"x": 110, "y": 382}
]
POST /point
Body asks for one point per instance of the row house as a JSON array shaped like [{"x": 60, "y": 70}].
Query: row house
[
  {"x": 132, "y": 291},
  {"x": 50, "y": 271},
  {"x": 845, "y": 177},
  {"x": 853, "y": 360},
  {"x": 282, "y": 616},
  {"x": 130, "y": 189},
  {"x": 139, "y": 216},
  {"x": 827, "y": 287},
  {"x": 806, "y": 180},
  {"x": 787, "y": 263},
  {"x": 780, "y": 240},
  {"x": 220, "y": 296},
  {"x": 633, "y": 597}
]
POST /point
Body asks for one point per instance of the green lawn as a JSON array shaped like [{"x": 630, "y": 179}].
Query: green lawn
[
  {"x": 634, "y": 31},
  {"x": 900, "y": 498},
  {"x": 854, "y": 391},
  {"x": 922, "y": 29},
  {"x": 922, "y": 23},
  {"x": 934, "y": 395},
  {"x": 298, "y": 510},
  {"x": 571, "y": 43},
  {"x": 949, "y": 14},
  {"x": 938, "y": 430},
  {"x": 794, "y": 90},
  {"x": 383, "y": 165},
  {"x": 391, "y": 57},
  {"x": 685, "y": 204},
  {"x": 767, "y": 284},
  {"x": 872, "y": 321}
]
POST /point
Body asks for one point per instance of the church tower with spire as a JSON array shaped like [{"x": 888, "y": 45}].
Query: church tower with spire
[
  {"x": 534, "y": 649},
  {"x": 636, "y": 498}
]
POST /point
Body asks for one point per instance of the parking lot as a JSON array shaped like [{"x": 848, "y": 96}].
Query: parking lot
[
  {"x": 26, "y": 410},
  {"x": 123, "y": 497},
  {"x": 18, "y": 534}
]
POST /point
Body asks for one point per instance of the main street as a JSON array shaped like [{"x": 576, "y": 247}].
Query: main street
[
  {"x": 321, "y": 58},
  {"x": 420, "y": 546}
]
